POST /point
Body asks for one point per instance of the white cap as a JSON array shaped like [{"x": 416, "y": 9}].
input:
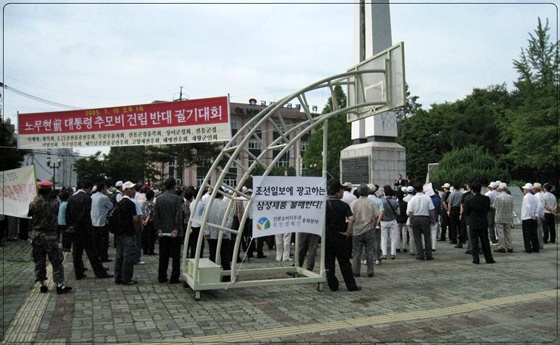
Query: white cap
[
  {"x": 428, "y": 189},
  {"x": 128, "y": 185},
  {"x": 446, "y": 185},
  {"x": 502, "y": 186},
  {"x": 410, "y": 189},
  {"x": 119, "y": 184},
  {"x": 528, "y": 186}
]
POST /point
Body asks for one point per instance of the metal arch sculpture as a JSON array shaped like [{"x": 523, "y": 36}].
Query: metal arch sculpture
[{"x": 193, "y": 269}]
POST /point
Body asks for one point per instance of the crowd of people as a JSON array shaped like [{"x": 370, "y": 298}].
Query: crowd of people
[
  {"x": 412, "y": 217},
  {"x": 364, "y": 226}
]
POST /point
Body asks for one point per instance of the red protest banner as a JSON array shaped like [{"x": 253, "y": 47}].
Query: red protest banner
[{"x": 197, "y": 120}]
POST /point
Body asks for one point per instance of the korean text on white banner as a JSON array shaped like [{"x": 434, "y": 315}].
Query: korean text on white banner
[
  {"x": 284, "y": 204},
  {"x": 190, "y": 121},
  {"x": 19, "y": 188}
]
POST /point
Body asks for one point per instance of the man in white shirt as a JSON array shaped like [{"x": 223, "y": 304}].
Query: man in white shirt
[
  {"x": 377, "y": 230},
  {"x": 492, "y": 193},
  {"x": 217, "y": 214},
  {"x": 529, "y": 217},
  {"x": 348, "y": 196},
  {"x": 100, "y": 206},
  {"x": 537, "y": 192},
  {"x": 421, "y": 214}
]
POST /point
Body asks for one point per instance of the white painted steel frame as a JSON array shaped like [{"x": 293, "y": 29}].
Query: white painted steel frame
[{"x": 232, "y": 152}]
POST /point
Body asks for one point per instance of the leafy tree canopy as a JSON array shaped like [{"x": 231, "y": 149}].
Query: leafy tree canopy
[
  {"x": 469, "y": 164},
  {"x": 339, "y": 137},
  {"x": 11, "y": 157}
]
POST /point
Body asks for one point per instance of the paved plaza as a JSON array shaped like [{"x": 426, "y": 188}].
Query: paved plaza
[{"x": 445, "y": 301}]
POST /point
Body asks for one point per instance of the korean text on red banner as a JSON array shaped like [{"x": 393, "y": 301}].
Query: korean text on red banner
[{"x": 190, "y": 121}]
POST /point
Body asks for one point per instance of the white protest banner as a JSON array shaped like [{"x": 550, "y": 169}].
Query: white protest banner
[
  {"x": 19, "y": 188},
  {"x": 283, "y": 204}
]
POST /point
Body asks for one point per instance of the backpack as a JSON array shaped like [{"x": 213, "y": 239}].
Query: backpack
[
  {"x": 113, "y": 198},
  {"x": 113, "y": 220}
]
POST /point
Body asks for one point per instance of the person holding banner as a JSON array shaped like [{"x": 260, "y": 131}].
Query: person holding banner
[
  {"x": 44, "y": 224},
  {"x": 336, "y": 232}
]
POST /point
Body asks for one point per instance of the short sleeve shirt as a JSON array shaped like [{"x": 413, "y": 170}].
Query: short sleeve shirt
[{"x": 336, "y": 214}]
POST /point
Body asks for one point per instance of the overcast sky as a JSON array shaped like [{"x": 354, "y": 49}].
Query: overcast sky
[{"x": 102, "y": 55}]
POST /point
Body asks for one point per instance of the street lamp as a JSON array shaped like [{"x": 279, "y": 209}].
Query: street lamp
[{"x": 54, "y": 166}]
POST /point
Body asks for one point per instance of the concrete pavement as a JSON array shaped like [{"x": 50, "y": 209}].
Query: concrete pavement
[{"x": 448, "y": 300}]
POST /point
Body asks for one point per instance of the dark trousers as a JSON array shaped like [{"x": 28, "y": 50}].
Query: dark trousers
[
  {"x": 148, "y": 238},
  {"x": 248, "y": 233},
  {"x": 124, "y": 258},
  {"x": 482, "y": 235},
  {"x": 101, "y": 241},
  {"x": 169, "y": 248},
  {"x": 193, "y": 239},
  {"x": 463, "y": 234},
  {"x": 83, "y": 240},
  {"x": 492, "y": 235},
  {"x": 454, "y": 224},
  {"x": 66, "y": 237},
  {"x": 444, "y": 225},
  {"x": 307, "y": 249},
  {"x": 549, "y": 228},
  {"x": 530, "y": 237},
  {"x": 225, "y": 257},
  {"x": 235, "y": 226},
  {"x": 336, "y": 249},
  {"x": 421, "y": 227}
]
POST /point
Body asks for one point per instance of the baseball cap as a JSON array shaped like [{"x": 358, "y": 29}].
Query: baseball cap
[
  {"x": 128, "y": 185},
  {"x": 528, "y": 186},
  {"x": 446, "y": 185},
  {"x": 44, "y": 184},
  {"x": 119, "y": 184}
]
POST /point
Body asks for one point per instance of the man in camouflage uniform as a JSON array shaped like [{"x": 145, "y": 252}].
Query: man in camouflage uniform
[{"x": 44, "y": 223}]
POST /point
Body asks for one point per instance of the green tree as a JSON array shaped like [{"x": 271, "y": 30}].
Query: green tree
[
  {"x": 91, "y": 168},
  {"x": 186, "y": 155},
  {"x": 530, "y": 131},
  {"x": 411, "y": 107},
  {"x": 11, "y": 157},
  {"x": 428, "y": 135},
  {"x": 127, "y": 164},
  {"x": 469, "y": 164},
  {"x": 339, "y": 137}
]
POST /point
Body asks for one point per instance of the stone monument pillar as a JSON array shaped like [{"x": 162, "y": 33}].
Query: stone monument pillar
[{"x": 374, "y": 157}]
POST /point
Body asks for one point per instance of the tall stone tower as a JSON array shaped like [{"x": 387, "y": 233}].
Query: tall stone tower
[{"x": 374, "y": 138}]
